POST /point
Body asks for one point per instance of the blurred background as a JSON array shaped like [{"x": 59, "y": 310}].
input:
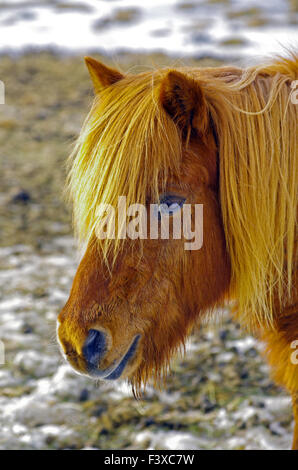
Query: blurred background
[{"x": 219, "y": 396}]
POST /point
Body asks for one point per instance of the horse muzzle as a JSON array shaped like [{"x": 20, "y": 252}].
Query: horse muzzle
[
  {"x": 94, "y": 351},
  {"x": 96, "y": 357}
]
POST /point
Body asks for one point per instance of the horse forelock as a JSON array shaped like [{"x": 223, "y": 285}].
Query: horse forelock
[{"x": 127, "y": 147}]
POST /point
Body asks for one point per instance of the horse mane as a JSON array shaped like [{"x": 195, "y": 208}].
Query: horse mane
[
  {"x": 256, "y": 123},
  {"x": 129, "y": 146}
]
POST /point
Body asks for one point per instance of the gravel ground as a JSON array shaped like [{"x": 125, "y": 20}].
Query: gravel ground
[{"x": 219, "y": 396}]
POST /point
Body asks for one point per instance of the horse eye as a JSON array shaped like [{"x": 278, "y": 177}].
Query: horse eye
[{"x": 170, "y": 204}]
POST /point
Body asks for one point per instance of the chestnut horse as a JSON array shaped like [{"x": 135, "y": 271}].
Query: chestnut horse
[{"x": 222, "y": 137}]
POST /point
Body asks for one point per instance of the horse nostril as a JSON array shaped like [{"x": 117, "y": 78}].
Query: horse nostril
[{"x": 94, "y": 347}]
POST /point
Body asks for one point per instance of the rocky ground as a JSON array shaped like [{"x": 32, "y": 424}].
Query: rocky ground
[{"x": 219, "y": 396}]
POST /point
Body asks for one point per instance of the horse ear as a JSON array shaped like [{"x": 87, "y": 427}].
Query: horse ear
[
  {"x": 183, "y": 99},
  {"x": 101, "y": 75}
]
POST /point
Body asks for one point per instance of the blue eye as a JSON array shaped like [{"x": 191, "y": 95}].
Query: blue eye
[{"x": 170, "y": 204}]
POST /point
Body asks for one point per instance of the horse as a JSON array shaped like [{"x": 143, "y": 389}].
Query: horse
[{"x": 221, "y": 137}]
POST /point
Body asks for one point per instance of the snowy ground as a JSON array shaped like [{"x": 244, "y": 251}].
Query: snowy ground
[
  {"x": 224, "y": 28},
  {"x": 218, "y": 397}
]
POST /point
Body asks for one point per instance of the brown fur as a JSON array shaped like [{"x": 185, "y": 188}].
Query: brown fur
[{"x": 154, "y": 288}]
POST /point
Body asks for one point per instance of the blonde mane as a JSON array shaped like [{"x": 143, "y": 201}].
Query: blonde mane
[
  {"x": 256, "y": 123},
  {"x": 129, "y": 145}
]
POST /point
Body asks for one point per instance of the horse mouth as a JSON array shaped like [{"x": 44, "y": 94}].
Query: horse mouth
[{"x": 115, "y": 371}]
